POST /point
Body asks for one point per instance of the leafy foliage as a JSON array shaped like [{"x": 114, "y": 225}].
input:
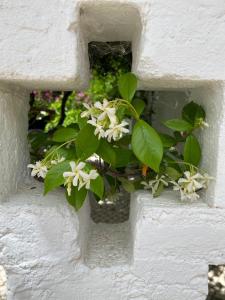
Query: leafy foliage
[{"x": 110, "y": 144}]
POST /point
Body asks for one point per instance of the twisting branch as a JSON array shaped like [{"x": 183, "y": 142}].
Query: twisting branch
[{"x": 63, "y": 107}]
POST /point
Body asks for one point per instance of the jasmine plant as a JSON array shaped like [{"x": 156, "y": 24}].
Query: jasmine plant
[{"x": 110, "y": 148}]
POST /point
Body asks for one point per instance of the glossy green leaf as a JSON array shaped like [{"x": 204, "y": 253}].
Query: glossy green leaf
[
  {"x": 86, "y": 142},
  {"x": 172, "y": 173},
  {"x": 192, "y": 150},
  {"x": 77, "y": 197},
  {"x": 64, "y": 134},
  {"x": 147, "y": 145},
  {"x": 178, "y": 125},
  {"x": 54, "y": 177},
  {"x": 82, "y": 122},
  {"x": 127, "y": 84},
  {"x": 167, "y": 140},
  {"x": 139, "y": 105},
  {"x": 97, "y": 186},
  {"x": 123, "y": 157},
  {"x": 106, "y": 152},
  {"x": 192, "y": 112}
]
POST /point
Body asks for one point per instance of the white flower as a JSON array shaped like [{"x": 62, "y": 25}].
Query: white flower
[
  {"x": 191, "y": 183},
  {"x": 74, "y": 176},
  {"x": 154, "y": 184},
  {"x": 203, "y": 124},
  {"x": 39, "y": 169},
  {"x": 184, "y": 194},
  {"x": 116, "y": 132},
  {"x": 87, "y": 177},
  {"x": 87, "y": 112},
  {"x": 107, "y": 111},
  {"x": 99, "y": 130},
  {"x": 172, "y": 149},
  {"x": 78, "y": 177},
  {"x": 57, "y": 161}
]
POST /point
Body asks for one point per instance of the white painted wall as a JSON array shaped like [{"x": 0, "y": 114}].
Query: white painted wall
[
  {"x": 13, "y": 138},
  {"x": 180, "y": 42},
  {"x": 46, "y": 248}
]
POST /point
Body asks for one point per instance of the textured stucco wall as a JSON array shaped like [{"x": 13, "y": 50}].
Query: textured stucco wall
[
  {"x": 13, "y": 138},
  {"x": 171, "y": 246},
  {"x": 177, "y": 40}
]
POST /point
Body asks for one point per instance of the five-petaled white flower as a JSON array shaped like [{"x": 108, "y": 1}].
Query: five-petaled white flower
[
  {"x": 190, "y": 184},
  {"x": 99, "y": 130},
  {"x": 87, "y": 177},
  {"x": 184, "y": 194},
  {"x": 38, "y": 169},
  {"x": 154, "y": 184},
  {"x": 74, "y": 176},
  {"x": 78, "y": 177},
  {"x": 115, "y": 132},
  {"x": 107, "y": 111},
  {"x": 87, "y": 112}
]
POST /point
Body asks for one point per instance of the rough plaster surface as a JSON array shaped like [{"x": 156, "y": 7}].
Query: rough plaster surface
[
  {"x": 48, "y": 251},
  {"x": 45, "y": 46},
  {"x": 170, "y": 247},
  {"x": 13, "y": 138},
  {"x": 3, "y": 283}
]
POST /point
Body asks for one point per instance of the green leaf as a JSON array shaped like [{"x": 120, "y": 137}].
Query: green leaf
[
  {"x": 123, "y": 157},
  {"x": 82, "y": 122},
  {"x": 192, "y": 150},
  {"x": 106, "y": 152},
  {"x": 54, "y": 177},
  {"x": 172, "y": 173},
  {"x": 86, "y": 143},
  {"x": 77, "y": 198},
  {"x": 127, "y": 84},
  {"x": 147, "y": 145},
  {"x": 178, "y": 125},
  {"x": 192, "y": 112},
  {"x": 167, "y": 140},
  {"x": 139, "y": 105},
  {"x": 64, "y": 134},
  {"x": 127, "y": 185},
  {"x": 97, "y": 186}
]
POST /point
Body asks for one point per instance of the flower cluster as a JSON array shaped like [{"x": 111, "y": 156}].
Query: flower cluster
[
  {"x": 190, "y": 184},
  {"x": 103, "y": 117},
  {"x": 78, "y": 176},
  {"x": 40, "y": 168}
]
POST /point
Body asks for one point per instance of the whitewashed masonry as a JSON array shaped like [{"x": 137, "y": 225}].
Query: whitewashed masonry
[{"x": 162, "y": 253}]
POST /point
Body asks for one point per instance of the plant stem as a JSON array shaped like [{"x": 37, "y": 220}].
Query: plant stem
[{"x": 70, "y": 141}]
